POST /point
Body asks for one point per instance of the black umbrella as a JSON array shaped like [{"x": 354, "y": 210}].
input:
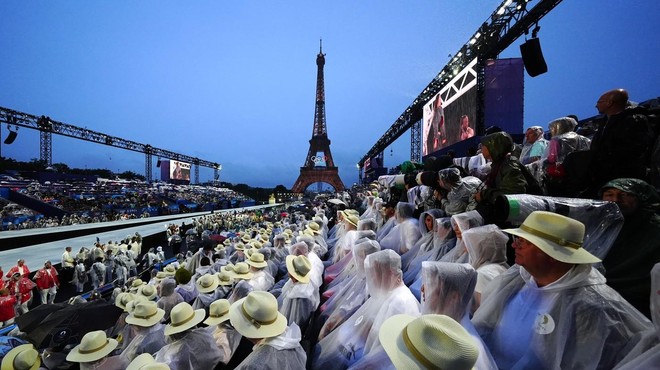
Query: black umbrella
[
  {"x": 73, "y": 322},
  {"x": 33, "y": 318}
]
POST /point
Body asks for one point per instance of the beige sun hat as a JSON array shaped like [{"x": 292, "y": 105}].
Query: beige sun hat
[
  {"x": 299, "y": 267},
  {"x": 226, "y": 242},
  {"x": 145, "y": 314},
  {"x": 240, "y": 246},
  {"x": 428, "y": 342},
  {"x": 94, "y": 346},
  {"x": 257, "y": 260},
  {"x": 206, "y": 283},
  {"x": 147, "y": 291},
  {"x": 314, "y": 227},
  {"x": 228, "y": 269},
  {"x": 183, "y": 317},
  {"x": 218, "y": 312},
  {"x": 256, "y": 316},
  {"x": 130, "y": 306},
  {"x": 224, "y": 278},
  {"x": 146, "y": 362},
  {"x": 122, "y": 299},
  {"x": 170, "y": 270},
  {"x": 558, "y": 236},
  {"x": 23, "y": 357},
  {"x": 160, "y": 275},
  {"x": 352, "y": 219},
  {"x": 135, "y": 285},
  {"x": 245, "y": 239},
  {"x": 242, "y": 271}
]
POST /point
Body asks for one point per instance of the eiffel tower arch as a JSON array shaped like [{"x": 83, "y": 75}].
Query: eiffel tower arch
[{"x": 319, "y": 165}]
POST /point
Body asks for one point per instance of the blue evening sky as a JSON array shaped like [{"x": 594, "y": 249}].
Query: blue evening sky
[{"x": 233, "y": 82}]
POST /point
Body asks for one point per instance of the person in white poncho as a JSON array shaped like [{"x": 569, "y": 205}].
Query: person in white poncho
[{"x": 299, "y": 298}]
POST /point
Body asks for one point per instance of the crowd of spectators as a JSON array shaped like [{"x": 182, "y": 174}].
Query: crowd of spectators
[
  {"x": 414, "y": 271},
  {"x": 104, "y": 201}
]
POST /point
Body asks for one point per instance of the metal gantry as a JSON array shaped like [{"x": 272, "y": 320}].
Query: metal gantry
[
  {"x": 509, "y": 21},
  {"x": 47, "y": 127}
]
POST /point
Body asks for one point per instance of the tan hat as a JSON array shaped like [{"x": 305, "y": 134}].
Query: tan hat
[
  {"x": 314, "y": 227},
  {"x": 227, "y": 242},
  {"x": 224, "y": 278},
  {"x": 299, "y": 267},
  {"x": 218, "y": 312},
  {"x": 246, "y": 239},
  {"x": 94, "y": 346},
  {"x": 130, "y": 306},
  {"x": 207, "y": 283},
  {"x": 242, "y": 271},
  {"x": 147, "y": 291},
  {"x": 23, "y": 357},
  {"x": 145, "y": 314},
  {"x": 256, "y": 316},
  {"x": 183, "y": 317},
  {"x": 428, "y": 342},
  {"x": 558, "y": 236},
  {"x": 257, "y": 260},
  {"x": 352, "y": 219},
  {"x": 146, "y": 362},
  {"x": 240, "y": 246},
  {"x": 135, "y": 285},
  {"x": 170, "y": 270},
  {"x": 122, "y": 299}
]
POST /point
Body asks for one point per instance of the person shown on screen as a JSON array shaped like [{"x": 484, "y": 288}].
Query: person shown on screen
[
  {"x": 436, "y": 137},
  {"x": 466, "y": 131},
  {"x": 177, "y": 174}
]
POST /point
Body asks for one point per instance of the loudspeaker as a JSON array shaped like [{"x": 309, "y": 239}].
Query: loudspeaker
[
  {"x": 532, "y": 57},
  {"x": 158, "y": 163},
  {"x": 11, "y": 137}
]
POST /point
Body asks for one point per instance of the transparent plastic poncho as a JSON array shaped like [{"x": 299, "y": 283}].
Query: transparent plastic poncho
[
  {"x": 195, "y": 349},
  {"x": 441, "y": 231},
  {"x": 282, "y": 352},
  {"x": 448, "y": 289},
  {"x": 359, "y": 334},
  {"x": 486, "y": 247},
  {"x": 425, "y": 243},
  {"x": 463, "y": 221}
]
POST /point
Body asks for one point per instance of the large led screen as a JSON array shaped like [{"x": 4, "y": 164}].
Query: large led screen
[
  {"x": 450, "y": 116},
  {"x": 179, "y": 170}
]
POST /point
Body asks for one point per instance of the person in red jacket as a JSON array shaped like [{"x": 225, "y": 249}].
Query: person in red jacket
[
  {"x": 20, "y": 267},
  {"x": 47, "y": 282},
  {"x": 7, "y": 311},
  {"x": 21, "y": 287}
]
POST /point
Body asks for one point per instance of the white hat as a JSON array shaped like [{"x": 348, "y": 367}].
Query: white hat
[
  {"x": 218, "y": 312},
  {"x": 94, "y": 346},
  {"x": 145, "y": 314},
  {"x": 299, "y": 267},
  {"x": 428, "y": 342},
  {"x": 242, "y": 271},
  {"x": 146, "y": 362},
  {"x": 206, "y": 283},
  {"x": 23, "y": 357},
  {"x": 256, "y": 316},
  {"x": 257, "y": 260},
  {"x": 183, "y": 317},
  {"x": 147, "y": 291},
  {"x": 558, "y": 236}
]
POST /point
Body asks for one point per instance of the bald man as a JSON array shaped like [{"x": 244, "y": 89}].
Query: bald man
[{"x": 619, "y": 146}]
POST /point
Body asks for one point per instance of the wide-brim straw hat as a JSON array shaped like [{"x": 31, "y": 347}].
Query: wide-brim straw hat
[
  {"x": 242, "y": 271},
  {"x": 224, "y": 278},
  {"x": 352, "y": 219},
  {"x": 147, "y": 291},
  {"x": 183, "y": 317},
  {"x": 207, "y": 283},
  {"x": 558, "y": 236},
  {"x": 299, "y": 267},
  {"x": 94, "y": 346},
  {"x": 240, "y": 246},
  {"x": 145, "y": 314},
  {"x": 314, "y": 227},
  {"x": 23, "y": 357},
  {"x": 170, "y": 270},
  {"x": 218, "y": 312},
  {"x": 428, "y": 342},
  {"x": 146, "y": 362},
  {"x": 256, "y": 316},
  {"x": 257, "y": 260},
  {"x": 135, "y": 285},
  {"x": 122, "y": 299}
]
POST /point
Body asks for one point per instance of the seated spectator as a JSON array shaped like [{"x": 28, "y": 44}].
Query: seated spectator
[
  {"x": 277, "y": 346},
  {"x": 185, "y": 285},
  {"x": 552, "y": 309},
  {"x": 224, "y": 334},
  {"x": 168, "y": 297},
  {"x": 533, "y": 146},
  {"x": 206, "y": 286},
  {"x": 299, "y": 299},
  {"x": 460, "y": 190},
  {"x": 93, "y": 352},
  {"x": 149, "y": 332},
  {"x": 23, "y": 357},
  {"x": 636, "y": 249},
  {"x": 146, "y": 361},
  {"x": 261, "y": 279},
  {"x": 563, "y": 142}
]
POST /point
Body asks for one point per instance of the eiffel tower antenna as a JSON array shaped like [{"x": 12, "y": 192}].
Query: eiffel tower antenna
[{"x": 319, "y": 165}]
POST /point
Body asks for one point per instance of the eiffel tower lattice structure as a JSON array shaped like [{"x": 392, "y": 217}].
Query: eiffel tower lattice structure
[{"x": 319, "y": 165}]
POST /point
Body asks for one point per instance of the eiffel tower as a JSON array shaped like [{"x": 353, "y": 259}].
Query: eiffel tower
[{"x": 319, "y": 166}]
